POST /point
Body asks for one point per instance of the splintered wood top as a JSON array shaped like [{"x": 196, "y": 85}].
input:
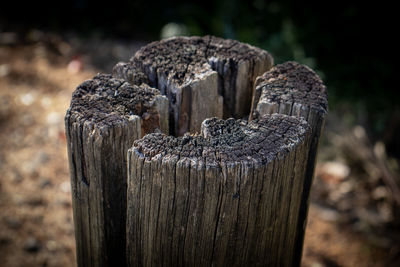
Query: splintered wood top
[
  {"x": 292, "y": 82},
  {"x": 182, "y": 58},
  {"x": 108, "y": 101},
  {"x": 229, "y": 141},
  {"x": 105, "y": 100}
]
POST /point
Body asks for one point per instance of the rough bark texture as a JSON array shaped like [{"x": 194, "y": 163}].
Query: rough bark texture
[
  {"x": 233, "y": 192},
  {"x": 296, "y": 90},
  {"x": 226, "y": 197}
]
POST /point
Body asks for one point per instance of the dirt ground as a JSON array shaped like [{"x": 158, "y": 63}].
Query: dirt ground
[{"x": 36, "y": 226}]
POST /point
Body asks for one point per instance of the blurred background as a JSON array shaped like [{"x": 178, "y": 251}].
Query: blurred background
[{"x": 48, "y": 48}]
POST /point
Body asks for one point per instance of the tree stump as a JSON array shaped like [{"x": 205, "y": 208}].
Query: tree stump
[{"x": 196, "y": 188}]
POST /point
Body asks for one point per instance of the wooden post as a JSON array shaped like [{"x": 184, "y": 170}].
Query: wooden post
[
  {"x": 296, "y": 90},
  {"x": 232, "y": 194},
  {"x": 229, "y": 196},
  {"x": 105, "y": 117}
]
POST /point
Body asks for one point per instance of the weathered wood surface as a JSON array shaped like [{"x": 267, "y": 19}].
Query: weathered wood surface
[
  {"x": 226, "y": 197},
  {"x": 105, "y": 117},
  {"x": 294, "y": 89},
  {"x": 235, "y": 194}
]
